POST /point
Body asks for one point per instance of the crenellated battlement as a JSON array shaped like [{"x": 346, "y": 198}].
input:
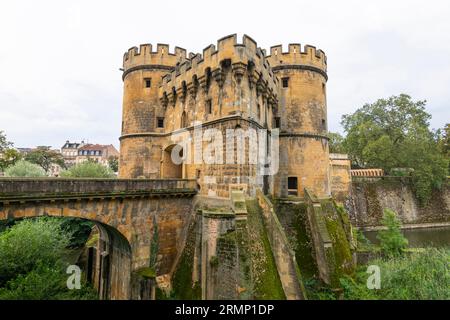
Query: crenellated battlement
[
  {"x": 296, "y": 55},
  {"x": 243, "y": 58},
  {"x": 144, "y": 55}
]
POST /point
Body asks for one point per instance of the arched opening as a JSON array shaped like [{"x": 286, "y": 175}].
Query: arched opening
[
  {"x": 171, "y": 169},
  {"x": 103, "y": 256}
]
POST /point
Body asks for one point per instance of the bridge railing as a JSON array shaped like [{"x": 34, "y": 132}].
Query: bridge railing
[{"x": 11, "y": 188}]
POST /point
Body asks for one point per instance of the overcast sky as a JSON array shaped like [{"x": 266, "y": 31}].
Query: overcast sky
[{"x": 60, "y": 60}]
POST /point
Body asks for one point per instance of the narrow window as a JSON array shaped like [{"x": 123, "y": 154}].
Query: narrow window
[
  {"x": 184, "y": 123},
  {"x": 324, "y": 124},
  {"x": 160, "y": 122},
  {"x": 258, "y": 110},
  {"x": 209, "y": 106},
  {"x": 277, "y": 122},
  {"x": 148, "y": 82},
  {"x": 292, "y": 186},
  {"x": 285, "y": 82},
  {"x": 198, "y": 173},
  {"x": 323, "y": 88}
]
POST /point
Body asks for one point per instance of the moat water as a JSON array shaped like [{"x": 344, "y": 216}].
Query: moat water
[{"x": 424, "y": 237}]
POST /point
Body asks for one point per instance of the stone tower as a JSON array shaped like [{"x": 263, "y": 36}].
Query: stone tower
[
  {"x": 233, "y": 86},
  {"x": 302, "y": 118},
  {"x": 143, "y": 70}
]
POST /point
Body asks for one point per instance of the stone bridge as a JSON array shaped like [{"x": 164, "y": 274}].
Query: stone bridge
[{"x": 139, "y": 221}]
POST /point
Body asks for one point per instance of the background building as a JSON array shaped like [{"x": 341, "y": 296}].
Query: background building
[
  {"x": 96, "y": 152},
  {"x": 69, "y": 152}
]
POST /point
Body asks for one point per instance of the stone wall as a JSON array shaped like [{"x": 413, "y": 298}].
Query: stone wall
[
  {"x": 129, "y": 210},
  {"x": 284, "y": 256},
  {"x": 370, "y": 196},
  {"x": 332, "y": 238},
  {"x": 341, "y": 180}
]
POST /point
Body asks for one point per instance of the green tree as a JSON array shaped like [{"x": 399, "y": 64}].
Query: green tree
[
  {"x": 9, "y": 158},
  {"x": 44, "y": 157},
  {"x": 24, "y": 168},
  {"x": 392, "y": 241},
  {"x": 113, "y": 163},
  {"x": 28, "y": 243},
  {"x": 336, "y": 142},
  {"x": 394, "y": 133},
  {"x": 88, "y": 169},
  {"x": 79, "y": 229},
  {"x": 32, "y": 262},
  {"x": 8, "y": 155},
  {"x": 444, "y": 141},
  {"x": 4, "y": 143}
]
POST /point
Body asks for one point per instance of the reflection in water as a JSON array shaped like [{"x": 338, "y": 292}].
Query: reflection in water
[{"x": 425, "y": 237}]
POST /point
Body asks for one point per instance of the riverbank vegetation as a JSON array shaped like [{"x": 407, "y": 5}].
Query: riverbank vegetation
[
  {"x": 405, "y": 273},
  {"x": 33, "y": 262}
]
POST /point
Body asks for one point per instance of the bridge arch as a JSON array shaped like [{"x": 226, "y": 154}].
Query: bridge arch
[
  {"x": 108, "y": 263},
  {"x": 127, "y": 212}
]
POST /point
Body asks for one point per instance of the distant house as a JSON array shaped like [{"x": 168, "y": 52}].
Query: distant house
[
  {"x": 69, "y": 152},
  {"x": 96, "y": 152}
]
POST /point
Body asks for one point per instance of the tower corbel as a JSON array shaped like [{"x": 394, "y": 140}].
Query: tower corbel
[
  {"x": 238, "y": 71},
  {"x": 218, "y": 75},
  {"x": 164, "y": 100}
]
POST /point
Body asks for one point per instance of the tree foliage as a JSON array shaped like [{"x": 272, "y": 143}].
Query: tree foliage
[
  {"x": 28, "y": 243},
  {"x": 24, "y": 168},
  {"x": 394, "y": 133},
  {"x": 113, "y": 163},
  {"x": 392, "y": 241},
  {"x": 4, "y": 143},
  {"x": 32, "y": 262},
  {"x": 336, "y": 142},
  {"x": 44, "y": 157},
  {"x": 9, "y": 158},
  {"x": 8, "y": 155},
  {"x": 88, "y": 169}
]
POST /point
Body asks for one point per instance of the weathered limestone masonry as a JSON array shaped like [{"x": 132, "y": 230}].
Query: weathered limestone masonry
[
  {"x": 231, "y": 85},
  {"x": 285, "y": 260},
  {"x": 224, "y": 257},
  {"x": 303, "y": 117},
  {"x": 332, "y": 238},
  {"x": 127, "y": 213},
  {"x": 340, "y": 177},
  {"x": 370, "y": 196}
]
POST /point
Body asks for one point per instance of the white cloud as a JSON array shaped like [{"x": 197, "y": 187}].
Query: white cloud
[{"x": 59, "y": 60}]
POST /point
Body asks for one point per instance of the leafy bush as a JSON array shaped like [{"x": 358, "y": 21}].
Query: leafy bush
[
  {"x": 28, "y": 243},
  {"x": 24, "y": 168},
  {"x": 44, "y": 283},
  {"x": 31, "y": 262},
  {"x": 88, "y": 169},
  {"x": 392, "y": 241},
  {"x": 416, "y": 276}
]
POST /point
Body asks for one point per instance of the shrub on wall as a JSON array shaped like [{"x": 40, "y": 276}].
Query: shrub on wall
[
  {"x": 88, "y": 169},
  {"x": 24, "y": 168},
  {"x": 392, "y": 241}
]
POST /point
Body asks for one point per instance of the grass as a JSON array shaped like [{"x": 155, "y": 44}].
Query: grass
[{"x": 267, "y": 284}]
